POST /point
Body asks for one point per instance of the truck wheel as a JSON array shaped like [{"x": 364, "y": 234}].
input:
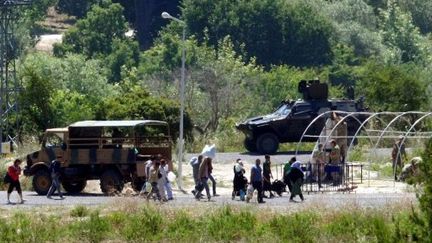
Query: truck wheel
[
  {"x": 267, "y": 143},
  {"x": 250, "y": 145},
  {"x": 111, "y": 182},
  {"x": 41, "y": 181},
  {"x": 137, "y": 184},
  {"x": 74, "y": 187}
]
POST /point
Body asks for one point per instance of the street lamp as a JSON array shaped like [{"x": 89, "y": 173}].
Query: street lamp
[{"x": 166, "y": 15}]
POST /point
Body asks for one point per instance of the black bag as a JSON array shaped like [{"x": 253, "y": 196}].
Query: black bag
[
  {"x": 199, "y": 187},
  {"x": 7, "y": 179},
  {"x": 278, "y": 187}
]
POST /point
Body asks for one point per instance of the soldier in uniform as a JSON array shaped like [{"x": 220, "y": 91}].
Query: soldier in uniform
[{"x": 397, "y": 156}]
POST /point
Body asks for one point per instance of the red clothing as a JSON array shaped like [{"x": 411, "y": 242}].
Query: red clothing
[{"x": 14, "y": 172}]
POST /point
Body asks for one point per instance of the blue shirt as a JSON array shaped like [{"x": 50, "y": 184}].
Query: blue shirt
[{"x": 256, "y": 172}]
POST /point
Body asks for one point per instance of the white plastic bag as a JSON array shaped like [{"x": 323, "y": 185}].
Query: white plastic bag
[
  {"x": 209, "y": 151},
  {"x": 171, "y": 176}
]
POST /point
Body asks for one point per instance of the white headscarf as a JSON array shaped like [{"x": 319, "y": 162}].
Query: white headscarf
[{"x": 297, "y": 165}]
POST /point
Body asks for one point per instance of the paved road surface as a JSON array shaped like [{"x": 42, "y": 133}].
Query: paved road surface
[{"x": 363, "y": 200}]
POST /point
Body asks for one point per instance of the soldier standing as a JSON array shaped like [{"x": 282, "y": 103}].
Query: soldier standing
[{"x": 397, "y": 156}]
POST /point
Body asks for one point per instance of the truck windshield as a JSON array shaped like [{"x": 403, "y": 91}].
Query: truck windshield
[
  {"x": 283, "y": 110},
  {"x": 54, "y": 139}
]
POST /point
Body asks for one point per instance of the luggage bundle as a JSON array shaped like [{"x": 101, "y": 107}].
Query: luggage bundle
[{"x": 278, "y": 186}]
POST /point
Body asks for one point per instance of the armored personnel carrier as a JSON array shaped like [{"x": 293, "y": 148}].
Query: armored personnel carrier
[{"x": 287, "y": 123}]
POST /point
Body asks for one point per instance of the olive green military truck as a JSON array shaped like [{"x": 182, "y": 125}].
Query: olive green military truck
[{"x": 113, "y": 152}]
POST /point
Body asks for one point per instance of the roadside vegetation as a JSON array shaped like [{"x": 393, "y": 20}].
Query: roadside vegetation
[{"x": 226, "y": 224}]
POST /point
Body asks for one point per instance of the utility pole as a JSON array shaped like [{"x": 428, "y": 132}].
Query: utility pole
[{"x": 10, "y": 86}]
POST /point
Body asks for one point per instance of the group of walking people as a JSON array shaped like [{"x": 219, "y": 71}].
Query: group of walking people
[
  {"x": 12, "y": 178},
  {"x": 261, "y": 180},
  {"x": 157, "y": 185}
]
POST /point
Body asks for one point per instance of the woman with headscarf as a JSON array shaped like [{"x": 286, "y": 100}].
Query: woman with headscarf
[
  {"x": 295, "y": 176},
  {"x": 240, "y": 181}
]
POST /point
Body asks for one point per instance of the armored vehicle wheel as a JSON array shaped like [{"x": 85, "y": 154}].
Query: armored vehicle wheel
[
  {"x": 41, "y": 181},
  {"x": 250, "y": 145},
  {"x": 267, "y": 143},
  {"x": 111, "y": 182},
  {"x": 74, "y": 186}
]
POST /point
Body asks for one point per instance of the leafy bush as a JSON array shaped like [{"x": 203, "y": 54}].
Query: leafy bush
[
  {"x": 80, "y": 211},
  {"x": 297, "y": 227}
]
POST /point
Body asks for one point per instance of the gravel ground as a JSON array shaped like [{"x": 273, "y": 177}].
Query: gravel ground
[
  {"x": 362, "y": 200},
  {"x": 374, "y": 194}
]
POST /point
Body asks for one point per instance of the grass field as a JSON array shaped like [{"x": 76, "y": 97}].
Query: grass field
[{"x": 147, "y": 222}]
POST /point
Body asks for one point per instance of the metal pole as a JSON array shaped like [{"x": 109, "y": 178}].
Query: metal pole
[{"x": 182, "y": 90}]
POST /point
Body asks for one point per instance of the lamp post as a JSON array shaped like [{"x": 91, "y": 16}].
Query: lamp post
[{"x": 166, "y": 15}]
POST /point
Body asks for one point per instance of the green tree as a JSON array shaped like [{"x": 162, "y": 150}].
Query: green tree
[
  {"x": 94, "y": 35},
  {"x": 424, "y": 195},
  {"x": 124, "y": 56},
  {"x": 421, "y": 13},
  {"x": 58, "y": 91},
  {"x": 392, "y": 87},
  {"x": 134, "y": 102},
  {"x": 78, "y": 8},
  {"x": 400, "y": 34},
  {"x": 35, "y": 97},
  {"x": 273, "y": 31}
]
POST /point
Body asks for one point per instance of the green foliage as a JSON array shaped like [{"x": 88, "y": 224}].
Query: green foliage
[
  {"x": 80, "y": 211},
  {"x": 146, "y": 225},
  {"x": 281, "y": 83},
  {"x": 400, "y": 34},
  {"x": 298, "y": 227},
  {"x": 35, "y": 97},
  {"x": 226, "y": 225},
  {"x": 124, "y": 57},
  {"x": 183, "y": 227},
  {"x": 425, "y": 192},
  {"x": 58, "y": 92},
  {"x": 391, "y": 87},
  {"x": 78, "y": 8},
  {"x": 221, "y": 224},
  {"x": 136, "y": 102},
  {"x": 275, "y": 32},
  {"x": 354, "y": 226},
  {"x": 421, "y": 13},
  {"x": 93, "y": 229},
  {"x": 95, "y": 34}
]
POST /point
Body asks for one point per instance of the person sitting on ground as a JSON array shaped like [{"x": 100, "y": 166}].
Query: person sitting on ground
[
  {"x": 240, "y": 181},
  {"x": 410, "y": 170},
  {"x": 55, "y": 168},
  {"x": 295, "y": 177}
]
